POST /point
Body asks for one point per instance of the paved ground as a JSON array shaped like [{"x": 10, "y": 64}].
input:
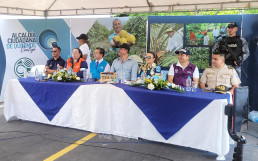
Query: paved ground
[{"x": 29, "y": 141}]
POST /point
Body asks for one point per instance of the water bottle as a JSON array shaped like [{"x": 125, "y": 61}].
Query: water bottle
[
  {"x": 188, "y": 83},
  {"x": 25, "y": 73},
  {"x": 85, "y": 75},
  {"x": 122, "y": 77},
  {"x": 90, "y": 78},
  {"x": 70, "y": 71},
  {"x": 142, "y": 76},
  {"x": 162, "y": 76},
  {"x": 37, "y": 74},
  {"x": 58, "y": 68}
]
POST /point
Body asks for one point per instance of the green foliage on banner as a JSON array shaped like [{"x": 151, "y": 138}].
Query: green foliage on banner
[
  {"x": 110, "y": 57},
  {"x": 200, "y": 56},
  {"x": 98, "y": 32},
  {"x": 137, "y": 27},
  {"x": 98, "y": 36}
]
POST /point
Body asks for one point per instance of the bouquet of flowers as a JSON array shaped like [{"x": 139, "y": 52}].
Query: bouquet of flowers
[
  {"x": 175, "y": 87},
  {"x": 155, "y": 82},
  {"x": 65, "y": 76}
]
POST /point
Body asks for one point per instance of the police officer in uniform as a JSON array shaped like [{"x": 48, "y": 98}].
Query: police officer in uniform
[
  {"x": 236, "y": 47},
  {"x": 219, "y": 74}
]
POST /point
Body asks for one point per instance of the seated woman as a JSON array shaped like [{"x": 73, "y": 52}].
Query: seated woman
[
  {"x": 150, "y": 68},
  {"x": 76, "y": 62}
]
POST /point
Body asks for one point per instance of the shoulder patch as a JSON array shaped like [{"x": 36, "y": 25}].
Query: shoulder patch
[
  {"x": 209, "y": 67},
  {"x": 229, "y": 67}
]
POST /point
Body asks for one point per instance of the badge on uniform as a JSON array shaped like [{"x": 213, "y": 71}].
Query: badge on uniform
[
  {"x": 176, "y": 70},
  {"x": 221, "y": 89}
]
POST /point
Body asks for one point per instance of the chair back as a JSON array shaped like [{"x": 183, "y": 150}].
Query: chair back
[{"x": 241, "y": 104}]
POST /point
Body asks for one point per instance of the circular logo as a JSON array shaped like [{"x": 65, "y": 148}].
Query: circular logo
[
  {"x": 47, "y": 38},
  {"x": 21, "y": 64}
]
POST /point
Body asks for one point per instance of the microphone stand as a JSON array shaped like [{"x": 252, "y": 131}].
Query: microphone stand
[{"x": 230, "y": 111}]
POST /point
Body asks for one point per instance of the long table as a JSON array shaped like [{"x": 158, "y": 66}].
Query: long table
[{"x": 135, "y": 112}]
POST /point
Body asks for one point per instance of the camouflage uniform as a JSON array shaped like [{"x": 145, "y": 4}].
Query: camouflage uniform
[
  {"x": 226, "y": 76},
  {"x": 235, "y": 48}
]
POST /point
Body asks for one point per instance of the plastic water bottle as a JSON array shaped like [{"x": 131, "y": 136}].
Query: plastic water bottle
[
  {"x": 122, "y": 77},
  {"x": 58, "y": 68},
  {"x": 85, "y": 75},
  {"x": 37, "y": 74},
  {"x": 25, "y": 73},
  {"x": 188, "y": 83},
  {"x": 142, "y": 76},
  {"x": 70, "y": 71},
  {"x": 162, "y": 76},
  {"x": 90, "y": 78}
]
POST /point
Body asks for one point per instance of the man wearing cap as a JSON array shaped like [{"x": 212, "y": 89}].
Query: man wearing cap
[
  {"x": 206, "y": 39},
  {"x": 55, "y": 62},
  {"x": 175, "y": 41},
  {"x": 192, "y": 37},
  {"x": 84, "y": 47},
  {"x": 179, "y": 72},
  {"x": 219, "y": 74},
  {"x": 125, "y": 63},
  {"x": 99, "y": 65},
  {"x": 237, "y": 45}
]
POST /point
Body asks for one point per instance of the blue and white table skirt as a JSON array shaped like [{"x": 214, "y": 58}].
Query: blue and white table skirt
[{"x": 117, "y": 110}]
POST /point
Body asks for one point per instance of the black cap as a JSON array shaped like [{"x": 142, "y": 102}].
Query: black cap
[
  {"x": 221, "y": 89},
  {"x": 183, "y": 51},
  {"x": 82, "y": 36},
  {"x": 232, "y": 24},
  {"x": 125, "y": 46}
]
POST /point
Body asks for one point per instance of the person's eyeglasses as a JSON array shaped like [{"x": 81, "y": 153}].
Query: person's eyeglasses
[
  {"x": 147, "y": 57},
  {"x": 54, "y": 51},
  {"x": 230, "y": 27}
]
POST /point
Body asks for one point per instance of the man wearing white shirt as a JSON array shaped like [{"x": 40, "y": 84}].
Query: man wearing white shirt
[
  {"x": 84, "y": 47},
  {"x": 179, "y": 72},
  {"x": 206, "y": 39},
  {"x": 175, "y": 41},
  {"x": 215, "y": 33},
  {"x": 99, "y": 65}
]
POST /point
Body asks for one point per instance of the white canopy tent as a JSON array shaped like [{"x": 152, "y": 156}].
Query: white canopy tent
[{"x": 48, "y": 8}]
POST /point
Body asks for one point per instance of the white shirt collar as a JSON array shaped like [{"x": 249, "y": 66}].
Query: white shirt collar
[
  {"x": 178, "y": 64},
  {"x": 99, "y": 60}
]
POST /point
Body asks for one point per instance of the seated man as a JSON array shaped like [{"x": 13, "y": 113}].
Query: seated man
[
  {"x": 219, "y": 74},
  {"x": 179, "y": 72},
  {"x": 125, "y": 63},
  {"x": 99, "y": 65},
  {"x": 56, "y": 61}
]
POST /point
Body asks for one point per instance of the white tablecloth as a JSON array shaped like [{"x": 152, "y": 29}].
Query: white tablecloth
[{"x": 104, "y": 108}]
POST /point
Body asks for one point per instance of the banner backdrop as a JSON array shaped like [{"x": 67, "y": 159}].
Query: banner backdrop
[{"x": 26, "y": 43}]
